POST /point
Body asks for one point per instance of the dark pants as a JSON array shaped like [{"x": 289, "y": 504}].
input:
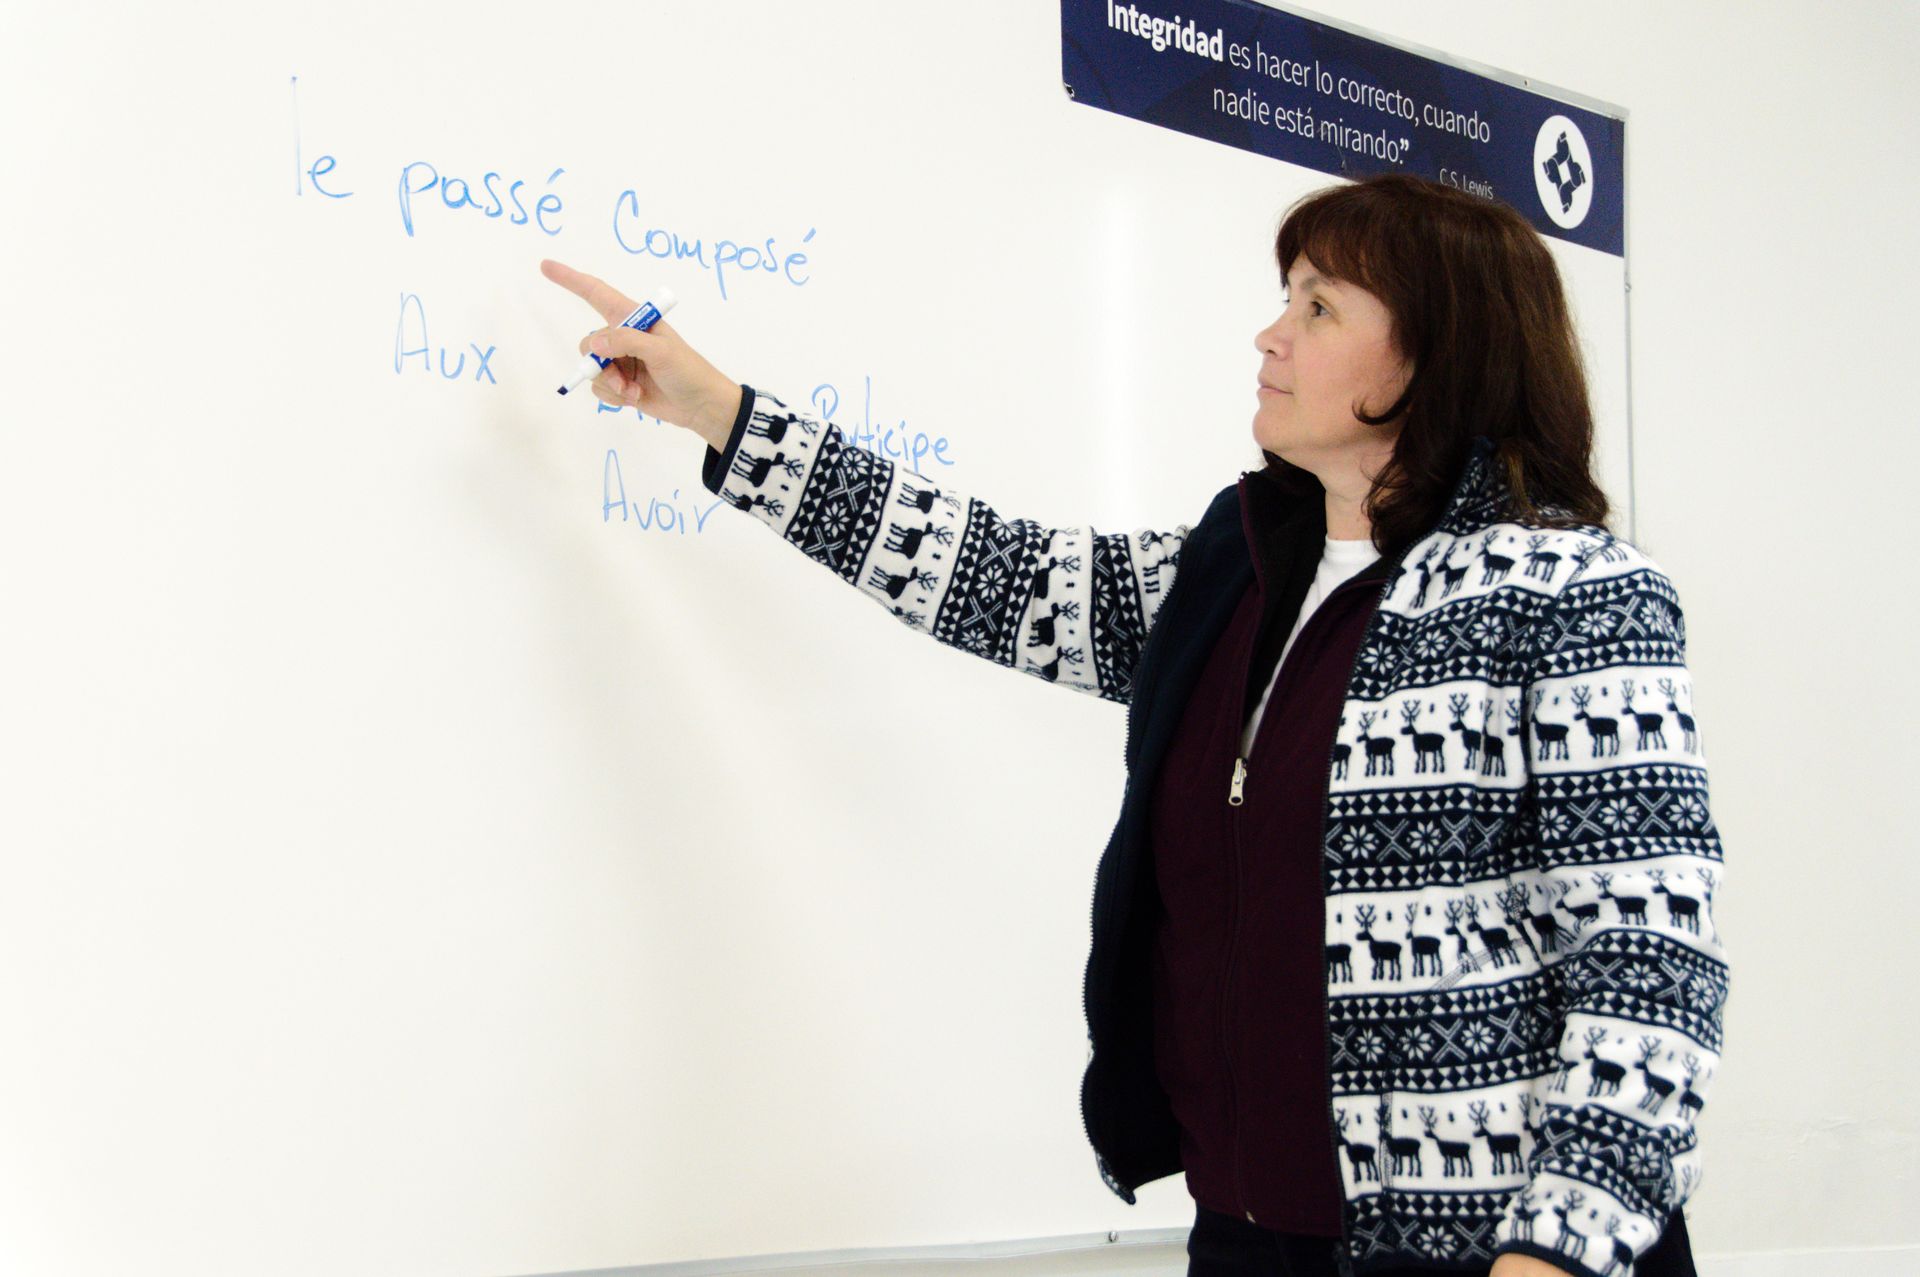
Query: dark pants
[{"x": 1227, "y": 1246}]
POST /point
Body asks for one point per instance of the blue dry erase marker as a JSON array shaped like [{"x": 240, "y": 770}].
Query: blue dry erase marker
[{"x": 644, "y": 316}]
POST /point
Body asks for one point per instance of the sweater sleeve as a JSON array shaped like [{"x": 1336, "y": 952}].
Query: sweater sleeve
[
  {"x": 1626, "y": 864},
  {"x": 1069, "y": 605}
]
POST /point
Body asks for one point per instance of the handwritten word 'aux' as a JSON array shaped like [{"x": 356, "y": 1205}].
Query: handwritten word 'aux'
[{"x": 417, "y": 331}]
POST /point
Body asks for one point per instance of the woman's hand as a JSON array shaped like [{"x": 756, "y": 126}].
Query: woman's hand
[{"x": 654, "y": 371}]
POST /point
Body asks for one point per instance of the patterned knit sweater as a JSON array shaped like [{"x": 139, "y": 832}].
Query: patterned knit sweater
[{"x": 1562, "y": 823}]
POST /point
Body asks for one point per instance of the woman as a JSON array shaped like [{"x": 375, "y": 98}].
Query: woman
[{"x": 1403, "y": 947}]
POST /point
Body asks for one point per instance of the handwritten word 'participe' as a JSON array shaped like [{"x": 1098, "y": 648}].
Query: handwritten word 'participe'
[{"x": 891, "y": 442}]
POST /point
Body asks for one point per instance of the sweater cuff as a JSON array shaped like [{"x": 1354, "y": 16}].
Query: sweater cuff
[
  {"x": 713, "y": 470},
  {"x": 1577, "y": 1226},
  {"x": 1547, "y": 1254}
]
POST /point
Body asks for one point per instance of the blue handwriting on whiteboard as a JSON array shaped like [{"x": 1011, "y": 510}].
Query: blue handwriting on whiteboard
[
  {"x": 403, "y": 352},
  {"x": 657, "y": 242},
  {"x": 660, "y": 516},
  {"x": 420, "y": 177},
  {"x": 315, "y": 172},
  {"x": 895, "y": 443},
  {"x": 892, "y": 443}
]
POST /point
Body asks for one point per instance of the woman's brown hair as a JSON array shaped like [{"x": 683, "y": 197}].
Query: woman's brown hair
[{"x": 1478, "y": 306}]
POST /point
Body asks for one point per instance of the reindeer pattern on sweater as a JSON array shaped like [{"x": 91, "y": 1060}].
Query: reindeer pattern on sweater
[{"x": 1525, "y": 986}]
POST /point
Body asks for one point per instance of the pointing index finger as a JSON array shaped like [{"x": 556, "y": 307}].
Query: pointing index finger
[{"x": 597, "y": 293}]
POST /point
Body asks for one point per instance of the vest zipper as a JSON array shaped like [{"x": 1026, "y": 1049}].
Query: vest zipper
[
  {"x": 1235, "y": 798},
  {"x": 1236, "y": 790}
]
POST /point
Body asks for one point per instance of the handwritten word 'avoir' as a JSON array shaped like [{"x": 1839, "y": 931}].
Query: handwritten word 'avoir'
[
  {"x": 660, "y": 516},
  {"x": 419, "y": 178},
  {"x": 657, "y": 242}
]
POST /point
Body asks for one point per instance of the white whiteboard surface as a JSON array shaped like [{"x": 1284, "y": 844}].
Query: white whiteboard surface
[{"x": 412, "y": 869}]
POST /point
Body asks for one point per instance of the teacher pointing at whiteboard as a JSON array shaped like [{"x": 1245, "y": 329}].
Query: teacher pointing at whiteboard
[
  {"x": 1403, "y": 941},
  {"x": 652, "y": 370}
]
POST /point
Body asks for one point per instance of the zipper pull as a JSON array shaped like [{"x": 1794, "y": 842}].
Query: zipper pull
[{"x": 1239, "y": 782}]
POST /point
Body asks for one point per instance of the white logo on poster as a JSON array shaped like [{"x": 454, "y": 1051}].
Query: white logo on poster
[{"x": 1563, "y": 171}]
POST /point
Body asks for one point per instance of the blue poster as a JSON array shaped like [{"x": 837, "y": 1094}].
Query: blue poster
[{"x": 1264, "y": 80}]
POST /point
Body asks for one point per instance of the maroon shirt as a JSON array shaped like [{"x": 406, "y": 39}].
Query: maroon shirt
[{"x": 1239, "y": 965}]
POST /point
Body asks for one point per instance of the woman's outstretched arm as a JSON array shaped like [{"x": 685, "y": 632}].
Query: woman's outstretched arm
[{"x": 1070, "y": 605}]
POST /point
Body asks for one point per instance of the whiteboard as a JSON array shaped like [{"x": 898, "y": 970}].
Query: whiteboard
[{"x": 418, "y": 863}]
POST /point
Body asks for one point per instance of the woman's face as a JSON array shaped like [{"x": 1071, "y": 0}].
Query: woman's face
[{"x": 1329, "y": 350}]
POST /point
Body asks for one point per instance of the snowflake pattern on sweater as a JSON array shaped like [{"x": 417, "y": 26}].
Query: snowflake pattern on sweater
[{"x": 1525, "y": 985}]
